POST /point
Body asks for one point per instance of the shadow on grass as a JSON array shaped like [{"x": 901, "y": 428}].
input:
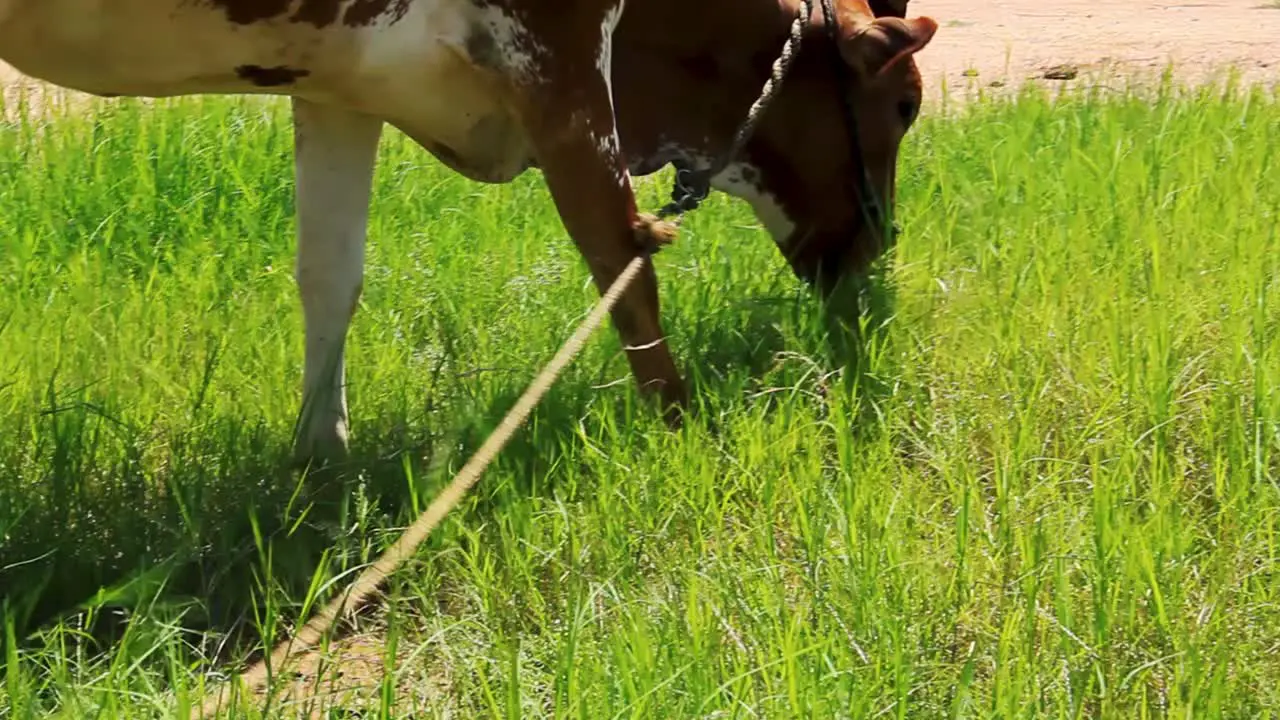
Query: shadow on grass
[{"x": 233, "y": 509}]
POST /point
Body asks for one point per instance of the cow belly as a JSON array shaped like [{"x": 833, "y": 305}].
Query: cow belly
[
  {"x": 152, "y": 48},
  {"x": 413, "y": 70},
  {"x": 460, "y": 115},
  {"x": 494, "y": 150}
]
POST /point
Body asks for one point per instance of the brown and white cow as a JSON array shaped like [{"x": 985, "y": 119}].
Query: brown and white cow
[{"x": 577, "y": 88}]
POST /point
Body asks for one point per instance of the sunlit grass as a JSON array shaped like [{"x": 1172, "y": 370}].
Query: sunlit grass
[{"x": 1045, "y": 485}]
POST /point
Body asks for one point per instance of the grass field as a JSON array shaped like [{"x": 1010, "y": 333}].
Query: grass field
[{"x": 1045, "y": 482}]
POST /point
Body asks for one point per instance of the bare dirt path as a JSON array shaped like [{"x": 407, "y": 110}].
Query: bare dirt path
[{"x": 1009, "y": 41}]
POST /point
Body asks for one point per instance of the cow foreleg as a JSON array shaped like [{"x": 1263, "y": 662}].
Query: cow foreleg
[
  {"x": 571, "y": 124},
  {"x": 335, "y": 153}
]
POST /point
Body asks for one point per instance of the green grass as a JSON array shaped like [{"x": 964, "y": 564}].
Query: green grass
[{"x": 1043, "y": 484}]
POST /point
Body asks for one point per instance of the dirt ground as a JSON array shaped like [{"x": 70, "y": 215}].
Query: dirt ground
[
  {"x": 1004, "y": 42},
  {"x": 1009, "y": 41}
]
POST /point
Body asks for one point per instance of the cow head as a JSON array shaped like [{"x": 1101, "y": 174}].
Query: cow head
[{"x": 808, "y": 170}]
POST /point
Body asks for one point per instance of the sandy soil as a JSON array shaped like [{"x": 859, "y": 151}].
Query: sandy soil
[{"x": 1008, "y": 41}]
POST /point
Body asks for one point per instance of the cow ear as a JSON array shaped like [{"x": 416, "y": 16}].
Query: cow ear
[{"x": 879, "y": 45}]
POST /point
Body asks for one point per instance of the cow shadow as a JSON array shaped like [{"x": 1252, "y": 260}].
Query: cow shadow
[
  {"x": 744, "y": 337},
  {"x": 258, "y": 513}
]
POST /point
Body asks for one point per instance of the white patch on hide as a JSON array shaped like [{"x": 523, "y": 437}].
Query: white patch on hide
[
  {"x": 516, "y": 46},
  {"x": 608, "y": 145},
  {"x": 742, "y": 181}
]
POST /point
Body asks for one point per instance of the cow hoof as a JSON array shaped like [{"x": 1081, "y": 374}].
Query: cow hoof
[
  {"x": 315, "y": 461},
  {"x": 673, "y": 416},
  {"x": 675, "y": 403},
  {"x": 321, "y": 449},
  {"x": 652, "y": 233}
]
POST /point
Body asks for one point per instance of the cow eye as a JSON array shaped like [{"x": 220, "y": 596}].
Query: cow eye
[{"x": 907, "y": 110}]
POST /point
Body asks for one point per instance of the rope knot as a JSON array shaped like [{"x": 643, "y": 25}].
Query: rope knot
[{"x": 652, "y": 233}]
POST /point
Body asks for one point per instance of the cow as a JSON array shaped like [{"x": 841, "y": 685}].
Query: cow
[{"x": 589, "y": 92}]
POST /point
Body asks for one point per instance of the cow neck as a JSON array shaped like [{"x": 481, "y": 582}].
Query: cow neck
[{"x": 685, "y": 74}]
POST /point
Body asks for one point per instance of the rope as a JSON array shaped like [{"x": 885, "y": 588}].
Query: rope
[
  {"x": 781, "y": 65},
  {"x": 391, "y": 560},
  {"x": 373, "y": 576},
  {"x": 686, "y": 197}
]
